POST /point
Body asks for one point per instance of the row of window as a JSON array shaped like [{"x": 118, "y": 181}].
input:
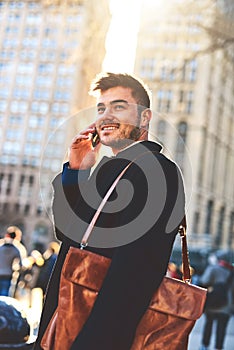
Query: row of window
[
  {"x": 182, "y": 129},
  {"x": 166, "y": 97},
  {"x": 208, "y": 229},
  {"x": 36, "y": 107},
  {"x": 30, "y": 55},
  {"x": 40, "y": 80},
  {"x": 34, "y": 121},
  {"x": 40, "y": 94},
  {"x": 24, "y": 209},
  {"x": 53, "y": 165},
  {"x": 42, "y": 68},
  {"x": 166, "y": 70}
]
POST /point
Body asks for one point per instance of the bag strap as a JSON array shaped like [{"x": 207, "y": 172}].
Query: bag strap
[
  {"x": 186, "y": 272},
  {"x": 186, "y": 275},
  {"x": 84, "y": 240}
]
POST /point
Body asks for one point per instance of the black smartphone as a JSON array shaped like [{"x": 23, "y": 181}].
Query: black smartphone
[{"x": 95, "y": 139}]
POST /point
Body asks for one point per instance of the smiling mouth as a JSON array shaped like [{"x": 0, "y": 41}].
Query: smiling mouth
[{"x": 109, "y": 127}]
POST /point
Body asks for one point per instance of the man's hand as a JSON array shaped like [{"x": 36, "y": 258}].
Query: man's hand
[{"x": 82, "y": 155}]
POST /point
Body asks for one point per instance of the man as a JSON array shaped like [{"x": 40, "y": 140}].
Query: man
[
  {"x": 17, "y": 241},
  {"x": 139, "y": 223},
  {"x": 10, "y": 260},
  {"x": 221, "y": 275}
]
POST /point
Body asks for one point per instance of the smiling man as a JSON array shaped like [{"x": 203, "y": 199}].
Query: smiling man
[{"x": 138, "y": 224}]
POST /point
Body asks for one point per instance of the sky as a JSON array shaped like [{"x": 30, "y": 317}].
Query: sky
[{"x": 122, "y": 36}]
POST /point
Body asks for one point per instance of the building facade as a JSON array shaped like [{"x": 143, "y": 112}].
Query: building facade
[
  {"x": 49, "y": 52},
  {"x": 185, "y": 54}
]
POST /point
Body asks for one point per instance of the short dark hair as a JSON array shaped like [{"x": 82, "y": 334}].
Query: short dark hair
[{"x": 106, "y": 81}]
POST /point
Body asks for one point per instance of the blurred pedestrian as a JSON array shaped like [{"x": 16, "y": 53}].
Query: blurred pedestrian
[
  {"x": 17, "y": 241},
  {"x": 219, "y": 279},
  {"x": 173, "y": 270},
  {"x": 10, "y": 260},
  {"x": 49, "y": 256}
]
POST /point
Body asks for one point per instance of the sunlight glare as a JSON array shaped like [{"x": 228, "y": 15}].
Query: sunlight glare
[{"x": 122, "y": 36}]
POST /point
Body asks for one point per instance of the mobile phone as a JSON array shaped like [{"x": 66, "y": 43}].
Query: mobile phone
[{"x": 95, "y": 139}]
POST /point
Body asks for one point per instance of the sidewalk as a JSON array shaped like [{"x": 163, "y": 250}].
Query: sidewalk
[{"x": 196, "y": 335}]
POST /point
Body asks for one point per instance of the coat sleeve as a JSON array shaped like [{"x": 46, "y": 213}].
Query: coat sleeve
[{"x": 135, "y": 273}]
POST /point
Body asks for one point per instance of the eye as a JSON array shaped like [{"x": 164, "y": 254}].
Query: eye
[
  {"x": 119, "y": 107},
  {"x": 101, "y": 110}
]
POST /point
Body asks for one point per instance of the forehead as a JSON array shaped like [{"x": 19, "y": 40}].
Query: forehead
[{"x": 116, "y": 93}]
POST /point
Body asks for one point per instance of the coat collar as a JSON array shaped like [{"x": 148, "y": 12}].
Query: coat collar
[{"x": 135, "y": 147}]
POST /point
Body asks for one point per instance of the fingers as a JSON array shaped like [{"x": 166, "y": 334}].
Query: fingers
[
  {"x": 84, "y": 134},
  {"x": 81, "y": 137}
]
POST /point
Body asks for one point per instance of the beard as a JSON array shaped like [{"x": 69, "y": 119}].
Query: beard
[{"x": 124, "y": 140}]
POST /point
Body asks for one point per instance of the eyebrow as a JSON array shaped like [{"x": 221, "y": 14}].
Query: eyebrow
[{"x": 112, "y": 102}]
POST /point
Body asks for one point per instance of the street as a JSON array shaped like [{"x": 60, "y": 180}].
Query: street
[{"x": 196, "y": 335}]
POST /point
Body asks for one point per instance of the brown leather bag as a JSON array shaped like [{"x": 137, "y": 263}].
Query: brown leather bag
[{"x": 166, "y": 324}]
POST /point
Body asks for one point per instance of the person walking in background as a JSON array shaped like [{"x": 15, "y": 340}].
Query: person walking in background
[
  {"x": 49, "y": 256},
  {"x": 10, "y": 260},
  {"x": 17, "y": 241},
  {"x": 219, "y": 279}
]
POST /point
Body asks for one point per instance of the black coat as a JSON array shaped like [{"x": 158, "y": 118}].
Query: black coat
[{"x": 137, "y": 266}]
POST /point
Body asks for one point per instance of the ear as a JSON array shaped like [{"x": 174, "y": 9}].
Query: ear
[{"x": 146, "y": 116}]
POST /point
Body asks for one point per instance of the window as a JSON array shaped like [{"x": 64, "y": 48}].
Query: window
[
  {"x": 26, "y": 209},
  {"x": 32, "y": 149},
  {"x": 34, "y": 17},
  {"x": 21, "y": 93},
  {"x": 30, "y": 42},
  {"x": 161, "y": 131},
  {"x": 28, "y": 54},
  {"x": 17, "y": 207},
  {"x": 15, "y": 120},
  {"x": 231, "y": 229},
  {"x": 180, "y": 145},
  {"x": 34, "y": 135},
  {"x": 36, "y": 121},
  {"x": 165, "y": 100},
  {"x": 26, "y": 68},
  {"x": 40, "y": 107},
  {"x": 24, "y": 80},
  {"x": 148, "y": 67},
  {"x": 11, "y": 147},
  {"x": 4, "y": 93},
  {"x": 42, "y": 94},
  {"x": 3, "y": 106},
  {"x": 64, "y": 81},
  {"x": 48, "y": 55},
  {"x": 14, "y": 134},
  {"x": 219, "y": 235},
  {"x": 19, "y": 106},
  {"x": 189, "y": 102},
  {"x": 31, "y": 180},
  {"x": 46, "y": 68},
  {"x": 196, "y": 221},
  {"x": 43, "y": 80},
  {"x": 62, "y": 95},
  {"x": 189, "y": 71},
  {"x": 209, "y": 213},
  {"x": 49, "y": 43}
]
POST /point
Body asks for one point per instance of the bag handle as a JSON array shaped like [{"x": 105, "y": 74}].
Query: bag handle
[
  {"x": 186, "y": 275},
  {"x": 186, "y": 272}
]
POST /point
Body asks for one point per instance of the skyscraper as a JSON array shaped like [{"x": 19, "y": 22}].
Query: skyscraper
[
  {"x": 185, "y": 53},
  {"x": 49, "y": 51}
]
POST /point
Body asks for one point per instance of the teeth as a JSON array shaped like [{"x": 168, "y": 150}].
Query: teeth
[{"x": 109, "y": 128}]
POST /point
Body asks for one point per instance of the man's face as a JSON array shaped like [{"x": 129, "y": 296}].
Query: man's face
[{"x": 117, "y": 118}]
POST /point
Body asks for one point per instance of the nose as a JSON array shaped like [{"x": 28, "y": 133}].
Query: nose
[{"x": 106, "y": 115}]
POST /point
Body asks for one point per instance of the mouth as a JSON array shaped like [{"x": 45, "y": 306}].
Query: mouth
[{"x": 109, "y": 127}]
